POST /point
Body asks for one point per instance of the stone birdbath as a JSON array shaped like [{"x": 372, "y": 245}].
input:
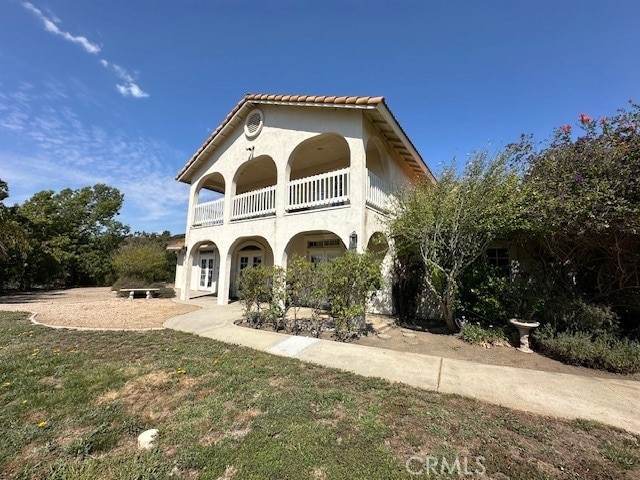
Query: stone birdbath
[{"x": 524, "y": 328}]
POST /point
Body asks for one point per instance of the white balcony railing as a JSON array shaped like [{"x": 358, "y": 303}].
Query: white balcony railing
[
  {"x": 256, "y": 203},
  {"x": 208, "y": 214},
  {"x": 377, "y": 192},
  {"x": 325, "y": 189}
]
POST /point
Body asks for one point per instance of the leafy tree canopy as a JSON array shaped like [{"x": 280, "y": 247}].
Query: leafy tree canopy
[
  {"x": 583, "y": 207},
  {"x": 72, "y": 233},
  {"x": 448, "y": 225}
]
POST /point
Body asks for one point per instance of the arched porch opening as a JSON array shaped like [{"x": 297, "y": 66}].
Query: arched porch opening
[
  {"x": 378, "y": 245},
  {"x": 317, "y": 246},
  {"x": 318, "y": 173},
  {"x": 247, "y": 252},
  {"x": 204, "y": 271},
  {"x": 382, "y": 300}
]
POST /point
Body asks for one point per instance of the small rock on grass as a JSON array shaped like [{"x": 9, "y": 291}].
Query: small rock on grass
[{"x": 146, "y": 439}]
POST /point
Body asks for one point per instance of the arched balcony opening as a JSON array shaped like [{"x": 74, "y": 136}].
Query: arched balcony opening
[
  {"x": 209, "y": 201},
  {"x": 254, "y": 189},
  {"x": 378, "y": 188},
  {"x": 318, "y": 173}
]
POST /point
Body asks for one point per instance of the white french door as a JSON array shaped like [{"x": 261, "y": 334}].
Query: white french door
[{"x": 208, "y": 275}]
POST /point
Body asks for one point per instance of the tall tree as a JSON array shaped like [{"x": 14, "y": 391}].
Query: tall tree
[
  {"x": 73, "y": 233},
  {"x": 584, "y": 206},
  {"x": 450, "y": 224},
  {"x": 14, "y": 245}
]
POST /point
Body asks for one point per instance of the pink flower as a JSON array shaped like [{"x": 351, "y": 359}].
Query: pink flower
[
  {"x": 584, "y": 118},
  {"x": 566, "y": 128},
  {"x": 603, "y": 121}
]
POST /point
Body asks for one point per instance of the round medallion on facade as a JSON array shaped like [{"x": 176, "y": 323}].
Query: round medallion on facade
[{"x": 254, "y": 123}]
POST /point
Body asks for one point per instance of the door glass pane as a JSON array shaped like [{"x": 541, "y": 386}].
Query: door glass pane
[
  {"x": 257, "y": 261},
  {"x": 244, "y": 262},
  {"x": 203, "y": 271},
  {"x": 210, "y": 273}
]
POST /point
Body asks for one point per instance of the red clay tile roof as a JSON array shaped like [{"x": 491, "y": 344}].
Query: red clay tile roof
[{"x": 306, "y": 100}]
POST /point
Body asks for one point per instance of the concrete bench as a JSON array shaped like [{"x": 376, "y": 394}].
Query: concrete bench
[{"x": 132, "y": 291}]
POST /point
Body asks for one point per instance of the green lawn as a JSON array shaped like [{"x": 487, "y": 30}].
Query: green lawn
[{"x": 73, "y": 404}]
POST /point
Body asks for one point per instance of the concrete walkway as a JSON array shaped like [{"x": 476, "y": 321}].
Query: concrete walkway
[{"x": 612, "y": 401}]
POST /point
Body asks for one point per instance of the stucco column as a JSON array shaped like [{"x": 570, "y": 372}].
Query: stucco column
[
  {"x": 193, "y": 201},
  {"x": 357, "y": 188},
  {"x": 224, "y": 275},
  {"x": 281, "y": 186},
  {"x": 228, "y": 200},
  {"x": 185, "y": 284}
]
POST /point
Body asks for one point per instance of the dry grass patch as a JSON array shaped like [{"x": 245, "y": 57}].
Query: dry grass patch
[{"x": 253, "y": 416}]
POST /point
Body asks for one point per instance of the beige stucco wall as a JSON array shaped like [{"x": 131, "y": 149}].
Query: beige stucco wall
[{"x": 284, "y": 129}]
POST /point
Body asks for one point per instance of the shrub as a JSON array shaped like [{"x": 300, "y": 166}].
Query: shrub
[
  {"x": 128, "y": 282},
  {"x": 582, "y": 210},
  {"x": 350, "y": 280},
  {"x": 256, "y": 289},
  {"x": 166, "y": 292},
  {"x": 605, "y": 352},
  {"x": 301, "y": 282},
  {"x": 576, "y": 315},
  {"x": 144, "y": 262},
  {"x": 487, "y": 336},
  {"x": 487, "y": 292}
]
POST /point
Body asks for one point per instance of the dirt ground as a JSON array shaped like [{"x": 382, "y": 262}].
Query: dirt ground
[
  {"x": 441, "y": 344},
  {"x": 94, "y": 308}
]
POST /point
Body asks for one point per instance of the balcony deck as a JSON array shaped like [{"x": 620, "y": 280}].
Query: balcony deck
[{"x": 325, "y": 190}]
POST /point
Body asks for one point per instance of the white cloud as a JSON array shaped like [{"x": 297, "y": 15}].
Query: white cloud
[
  {"x": 129, "y": 89},
  {"x": 50, "y": 147},
  {"x": 50, "y": 26}
]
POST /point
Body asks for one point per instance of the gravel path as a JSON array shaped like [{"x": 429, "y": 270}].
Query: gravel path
[{"x": 94, "y": 308}]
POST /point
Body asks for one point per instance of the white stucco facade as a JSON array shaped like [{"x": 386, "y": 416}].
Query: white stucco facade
[{"x": 291, "y": 177}]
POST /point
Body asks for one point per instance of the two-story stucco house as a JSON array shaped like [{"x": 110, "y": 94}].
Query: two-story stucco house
[{"x": 289, "y": 174}]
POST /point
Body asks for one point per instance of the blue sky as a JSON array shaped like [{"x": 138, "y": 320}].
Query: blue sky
[{"x": 123, "y": 92}]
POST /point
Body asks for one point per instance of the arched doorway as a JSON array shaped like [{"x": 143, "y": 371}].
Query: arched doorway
[
  {"x": 248, "y": 252},
  {"x": 204, "y": 258}
]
